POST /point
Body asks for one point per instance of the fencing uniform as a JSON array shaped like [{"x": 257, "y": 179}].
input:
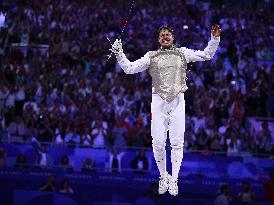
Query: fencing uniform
[{"x": 167, "y": 68}]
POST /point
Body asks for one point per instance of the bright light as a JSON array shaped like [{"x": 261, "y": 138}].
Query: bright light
[{"x": 2, "y": 19}]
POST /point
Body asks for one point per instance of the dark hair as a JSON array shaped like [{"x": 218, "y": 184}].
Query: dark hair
[
  {"x": 223, "y": 188},
  {"x": 169, "y": 28}
]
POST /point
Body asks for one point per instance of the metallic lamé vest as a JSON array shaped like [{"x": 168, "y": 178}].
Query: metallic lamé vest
[{"x": 168, "y": 72}]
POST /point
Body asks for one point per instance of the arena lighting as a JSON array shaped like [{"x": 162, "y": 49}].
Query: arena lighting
[
  {"x": 233, "y": 82},
  {"x": 2, "y": 19}
]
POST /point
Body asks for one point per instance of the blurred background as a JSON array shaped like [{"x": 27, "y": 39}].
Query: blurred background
[{"x": 75, "y": 129}]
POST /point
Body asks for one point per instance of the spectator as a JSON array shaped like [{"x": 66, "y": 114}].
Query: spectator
[
  {"x": 3, "y": 95},
  {"x": 237, "y": 109},
  {"x": 100, "y": 134},
  {"x": 59, "y": 134},
  {"x": 45, "y": 131},
  {"x": 31, "y": 104},
  {"x": 232, "y": 142},
  {"x": 50, "y": 185},
  {"x": 66, "y": 188},
  {"x": 201, "y": 139},
  {"x": 10, "y": 101},
  {"x": 247, "y": 143},
  {"x": 268, "y": 185},
  {"x": 65, "y": 164},
  {"x": 139, "y": 137},
  {"x": 215, "y": 142},
  {"x": 189, "y": 137},
  {"x": 58, "y": 139},
  {"x": 246, "y": 196},
  {"x": 119, "y": 131},
  {"x": 3, "y": 158},
  {"x": 21, "y": 161},
  {"x": 114, "y": 161},
  {"x": 224, "y": 197},
  {"x": 69, "y": 134},
  {"x": 73, "y": 136},
  {"x": 20, "y": 98},
  {"x": 233, "y": 147},
  {"x": 86, "y": 138},
  {"x": 88, "y": 165},
  {"x": 42, "y": 157},
  {"x": 264, "y": 139},
  {"x": 17, "y": 130},
  {"x": 140, "y": 163},
  {"x": 199, "y": 122}
]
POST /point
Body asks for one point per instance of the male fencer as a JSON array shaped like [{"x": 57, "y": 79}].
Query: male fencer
[{"x": 167, "y": 67}]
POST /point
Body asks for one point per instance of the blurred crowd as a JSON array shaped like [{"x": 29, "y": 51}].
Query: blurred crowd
[{"x": 70, "y": 92}]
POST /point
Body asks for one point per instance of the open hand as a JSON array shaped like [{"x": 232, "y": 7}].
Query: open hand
[
  {"x": 216, "y": 30},
  {"x": 117, "y": 47}
]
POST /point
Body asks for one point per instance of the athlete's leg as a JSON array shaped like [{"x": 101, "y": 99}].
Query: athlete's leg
[
  {"x": 176, "y": 135},
  {"x": 159, "y": 125}
]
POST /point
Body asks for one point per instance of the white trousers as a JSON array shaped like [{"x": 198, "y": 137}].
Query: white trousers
[{"x": 168, "y": 116}]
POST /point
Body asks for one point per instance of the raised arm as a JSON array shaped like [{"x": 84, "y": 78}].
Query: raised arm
[
  {"x": 208, "y": 53},
  {"x": 129, "y": 67}
]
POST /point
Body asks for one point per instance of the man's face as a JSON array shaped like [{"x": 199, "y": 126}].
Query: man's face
[{"x": 165, "y": 38}]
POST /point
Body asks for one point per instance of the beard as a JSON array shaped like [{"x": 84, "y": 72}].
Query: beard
[{"x": 166, "y": 46}]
